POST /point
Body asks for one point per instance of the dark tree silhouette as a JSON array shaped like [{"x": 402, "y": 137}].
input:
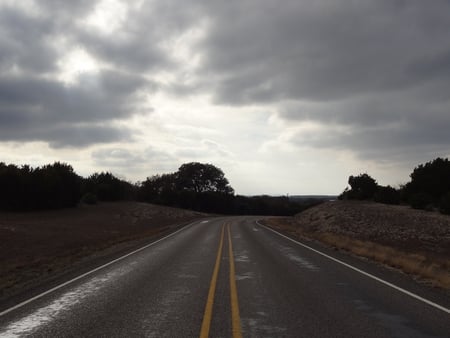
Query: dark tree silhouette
[
  {"x": 106, "y": 187},
  {"x": 195, "y": 186},
  {"x": 201, "y": 178},
  {"x": 431, "y": 178},
  {"x": 203, "y": 187},
  {"x": 51, "y": 186},
  {"x": 363, "y": 187},
  {"x": 387, "y": 195},
  {"x": 160, "y": 189},
  {"x": 444, "y": 206}
]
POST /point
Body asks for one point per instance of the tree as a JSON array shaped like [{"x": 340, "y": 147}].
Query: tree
[
  {"x": 107, "y": 187},
  {"x": 363, "y": 187},
  {"x": 194, "y": 186},
  {"x": 51, "y": 186},
  {"x": 444, "y": 206},
  {"x": 201, "y": 178},
  {"x": 431, "y": 178},
  {"x": 387, "y": 195},
  {"x": 59, "y": 185},
  {"x": 160, "y": 189}
]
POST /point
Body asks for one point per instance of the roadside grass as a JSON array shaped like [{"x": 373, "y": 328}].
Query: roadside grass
[{"x": 426, "y": 267}]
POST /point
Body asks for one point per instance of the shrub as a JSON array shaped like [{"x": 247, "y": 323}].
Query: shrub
[
  {"x": 387, "y": 195},
  {"x": 363, "y": 187},
  {"x": 444, "y": 206},
  {"x": 432, "y": 178},
  {"x": 421, "y": 201},
  {"x": 89, "y": 198}
]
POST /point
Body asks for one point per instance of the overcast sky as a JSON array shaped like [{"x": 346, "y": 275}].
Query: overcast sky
[{"x": 287, "y": 97}]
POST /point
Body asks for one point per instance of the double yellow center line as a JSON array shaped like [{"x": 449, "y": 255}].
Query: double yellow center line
[{"x": 235, "y": 318}]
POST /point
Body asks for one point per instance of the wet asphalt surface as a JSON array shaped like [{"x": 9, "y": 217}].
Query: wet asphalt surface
[{"x": 283, "y": 289}]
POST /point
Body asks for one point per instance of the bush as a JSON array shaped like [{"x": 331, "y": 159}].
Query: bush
[
  {"x": 363, "y": 187},
  {"x": 421, "y": 201},
  {"x": 107, "y": 187},
  {"x": 89, "y": 198},
  {"x": 432, "y": 178},
  {"x": 444, "y": 206},
  {"x": 387, "y": 195},
  {"x": 48, "y": 187}
]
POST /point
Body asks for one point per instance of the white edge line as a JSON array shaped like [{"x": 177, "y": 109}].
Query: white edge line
[
  {"x": 90, "y": 272},
  {"x": 413, "y": 295}
]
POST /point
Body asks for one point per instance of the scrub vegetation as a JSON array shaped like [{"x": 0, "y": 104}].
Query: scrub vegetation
[{"x": 428, "y": 188}]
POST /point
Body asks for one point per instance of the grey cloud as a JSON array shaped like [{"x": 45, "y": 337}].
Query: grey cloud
[
  {"x": 26, "y": 42},
  {"x": 117, "y": 157},
  {"x": 378, "y": 126},
  {"x": 371, "y": 110},
  {"x": 148, "y": 160},
  {"x": 47, "y": 110},
  {"x": 375, "y": 73},
  {"x": 84, "y": 135},
  {"x": 35, "y": 107},
  {"x": 324, "y": 50},
  {"x": 136, "y": 53},
  {"x": 73, "y": 7},
  {"x": 410, "y": 142},
  {"x": 206, "y": 149},
  {"x": 381, "y": 69},
  {"x": 141, "y": 43},
  {"x": 68, "y": 135}
]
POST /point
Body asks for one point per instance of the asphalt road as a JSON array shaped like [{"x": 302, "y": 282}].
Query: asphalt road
[{"x": 186, "y": 285}]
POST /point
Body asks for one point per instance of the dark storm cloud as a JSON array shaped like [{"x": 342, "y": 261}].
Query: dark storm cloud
[
  {"x": 380, "y": 70},
  {"x": 375, "y": 73},
  {"x": 33, "y": 109},
  {"x": 81, "y": 135},
  {"x": 26, "y": 41},
  {"x": 325, "y": 50},
  {"x": 378, "y": 126}
]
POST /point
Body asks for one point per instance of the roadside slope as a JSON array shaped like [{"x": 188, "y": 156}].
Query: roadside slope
[
  {"x": 417, "y": 242},
  {"x": 39, "y": 245}
]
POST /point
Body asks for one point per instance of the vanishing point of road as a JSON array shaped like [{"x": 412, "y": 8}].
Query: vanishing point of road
[{"x": 232, "y": 277}]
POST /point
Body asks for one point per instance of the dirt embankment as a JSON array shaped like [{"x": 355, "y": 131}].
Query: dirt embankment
[
  {"x": 38, "y": 245},
  {"x": 417, "y": 242}
]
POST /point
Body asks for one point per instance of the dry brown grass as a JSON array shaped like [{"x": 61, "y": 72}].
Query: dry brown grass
[{"x": 417, "y": 264}]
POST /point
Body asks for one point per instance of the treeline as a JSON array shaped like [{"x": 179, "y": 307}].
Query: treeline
[
  {"x": 204, "y": 187},
  {"x": 195, "y": 186},
  {"x": 428, "y": 188},
  {"x": 56, "y": 186}
]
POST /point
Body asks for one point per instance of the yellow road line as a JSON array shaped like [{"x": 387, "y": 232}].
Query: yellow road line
[
  {"x": 235, "y": 318},
  {"x": 206, "y": 324}
]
